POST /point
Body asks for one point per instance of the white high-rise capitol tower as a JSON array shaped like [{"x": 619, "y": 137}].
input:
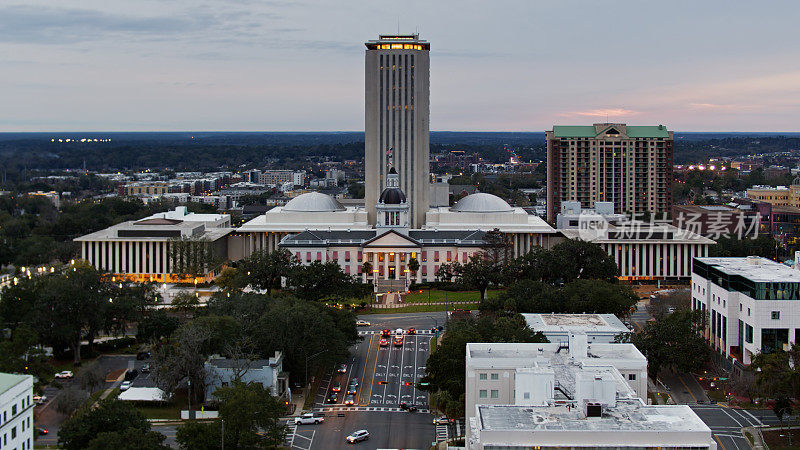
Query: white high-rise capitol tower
[{"x": 397, "y": 77}]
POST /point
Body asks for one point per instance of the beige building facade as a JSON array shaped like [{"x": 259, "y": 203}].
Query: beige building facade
[
  {"x": 630, "y": 166},
  {"x": 397, "y": 120}
]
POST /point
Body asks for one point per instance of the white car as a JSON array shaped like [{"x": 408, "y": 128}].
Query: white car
[
  {"x": 441, "y": 420},
  {"x": 125, "y": 386},
  {"x": 362, "y": 323},
  {"x": 64, "y": 374},
  {"x": 39, "y": 399},
  {"x": 308, "y": 418},
  {"x": 357, "y": 436}
]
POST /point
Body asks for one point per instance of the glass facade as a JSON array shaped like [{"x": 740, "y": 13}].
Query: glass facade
[{"x": 753, "y": 289}]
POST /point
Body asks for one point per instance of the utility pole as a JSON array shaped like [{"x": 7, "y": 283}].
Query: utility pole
[
  {"x": 222, "y": 437},
  {"x": 310, "y": 357}
]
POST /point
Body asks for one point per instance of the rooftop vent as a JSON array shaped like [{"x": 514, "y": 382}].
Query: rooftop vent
[
  {"x": 594, "y": 410},
  {"x": 754, "y": 260}
]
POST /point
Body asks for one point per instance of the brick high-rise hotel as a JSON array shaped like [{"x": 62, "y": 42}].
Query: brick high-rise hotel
[{"x": 630, "y": 166}]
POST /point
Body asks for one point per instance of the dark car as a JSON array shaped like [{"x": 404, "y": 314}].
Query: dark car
[
  {"x": 406, "y": 407},
  {"x": 145, "y": 368},
  {"x": 141, "y": 356},
  {"x": 332, "y": 398},
  {"x": 41, "y": 430},
  {"x": 386, "y": 333},
  {"x": 352, "y": 389},
  {"x": 131, "y": 375},
  {"x": 336, "y": 387},
  {"x": 411, "y": 330}
]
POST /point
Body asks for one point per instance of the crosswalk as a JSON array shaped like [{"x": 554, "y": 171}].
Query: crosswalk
[
  {"x": 365, "y": 408},
  {"x": 291, "y": 430},
  {"x": 441, "y": 433},
  {"x": 371, "y": 332}
]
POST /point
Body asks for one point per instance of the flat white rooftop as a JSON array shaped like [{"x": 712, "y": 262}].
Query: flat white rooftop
[
  {"x": 754, "y": 268},
  {"x": 627, "y": 415},
  {"x": 564, "y": 323}
]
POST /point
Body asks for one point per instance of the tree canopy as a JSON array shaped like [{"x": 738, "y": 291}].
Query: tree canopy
[
  {"x": 110, "y": 416},
  {"x": 672, "y": 342}
]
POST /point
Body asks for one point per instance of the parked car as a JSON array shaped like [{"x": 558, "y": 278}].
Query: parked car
[
  {"x": 384, "y": 343},
  {"x": 342, "y": 368},
  {"x": 357, "y": 436},
  {"x": 352, "y": 389},
  {"x": 350, "y": 399},
  {"x": 362, "y": 323},
  {"x": 411, "y": 330},
  {"x": 308, "y": 418},
  {"x": 131, "y": 374},
  {"x": 441, "y": 420},
  {"x": 332, "y": 398},
  {"x": 145, "y": 368},
  {"x": 125, "y": 386},
  {"x": 39, "y": 399},
  {"x": 64, "y": 374}
]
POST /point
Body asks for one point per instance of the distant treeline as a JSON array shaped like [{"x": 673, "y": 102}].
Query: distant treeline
[{"x": 20, "y": 152}]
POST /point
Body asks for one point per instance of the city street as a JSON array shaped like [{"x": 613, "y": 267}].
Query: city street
[
  {"x": 46, "y": 415},
  {"x": 387, "y": 376},
  {"x": 726, "y": 423}
]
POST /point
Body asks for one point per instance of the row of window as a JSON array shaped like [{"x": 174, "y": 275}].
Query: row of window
[{"x": 449, "y": 256}]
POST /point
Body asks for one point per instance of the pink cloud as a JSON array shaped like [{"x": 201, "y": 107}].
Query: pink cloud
[{"x": 608, "y": 112}]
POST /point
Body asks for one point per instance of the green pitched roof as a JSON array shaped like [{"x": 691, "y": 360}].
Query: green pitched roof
[
  {"x": 655, "y": 131},
  {"x": 9, "y": 380},
  {"x": 573, "y": 131}
]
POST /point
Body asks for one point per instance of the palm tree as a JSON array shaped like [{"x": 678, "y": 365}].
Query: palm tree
[
  {"x": 413, "y": 266},
  {"x": 367, "y": 269}
]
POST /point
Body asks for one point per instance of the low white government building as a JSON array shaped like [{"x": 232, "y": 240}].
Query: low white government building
[
  {"x": 16, "y": 411},
  {"x": 599, "y": 328},
  {"x": 753, "y": 305},
  {"x": 143, "y": 250},
  {"x": 579, "y": 395}
]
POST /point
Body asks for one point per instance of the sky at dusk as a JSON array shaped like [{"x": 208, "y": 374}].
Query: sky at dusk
[{"x": 525, "y": 65}]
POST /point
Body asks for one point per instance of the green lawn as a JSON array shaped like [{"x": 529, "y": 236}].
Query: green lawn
[
  {"x": 435, "y": 295},
  {"x": 419, "y": 308}
]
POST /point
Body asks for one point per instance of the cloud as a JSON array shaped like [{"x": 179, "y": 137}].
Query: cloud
[
  {"x": 723, "y": 107},
  {"x": 608, "y": 112}
]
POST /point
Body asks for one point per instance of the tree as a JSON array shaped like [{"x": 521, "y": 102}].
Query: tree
[
  {"x": 367, "y": 269},
  {"x": 192, "y": 257},
  {"x": 577, "y": 259},
  {"x": 413, "y": 266},
  {"x": 579, "y": 296},
  {"x": 777, "y": 373},
  {"x": 182, "y": 359},
  {"x": 194, "y": 435},
  {"x": 70, "y": 400},
  {"x": 156, "y": 325},
  {"x": 318, "y": 280},
  {"x": 498, "y": 247},
  {"x": 446, "y": 367},
  {"x": 673, "y": 342},
  {"x": 110, "y": 415},
  {"x": 247, "y": 409},
  {"x": 231, "y": 280},
  {"x": 92, "y": 378},
  {"x": 480, "y": 272},
  {"x": 185, "y": 302},
  {"x": 263, "y": 269},
  {"x": 129, "y": 439}
]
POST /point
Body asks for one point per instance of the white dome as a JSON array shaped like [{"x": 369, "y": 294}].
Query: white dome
[
  {"x": 482, "y": 203},
  {"x": 313, "y": 202}
]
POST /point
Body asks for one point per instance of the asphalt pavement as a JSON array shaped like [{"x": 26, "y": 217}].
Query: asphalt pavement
[
  {"x": 388, "y": 375},
  {"x": 46, "y": 415},
  {"x": 726, "y": 423}
]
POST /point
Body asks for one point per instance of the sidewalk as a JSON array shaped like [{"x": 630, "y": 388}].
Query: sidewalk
[{"x": 403, "y": 305}]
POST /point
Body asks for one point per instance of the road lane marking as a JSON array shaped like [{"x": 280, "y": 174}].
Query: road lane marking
[
  {"x": 402, "y": 355},
  {"x": 687, "y": 387},
  {"x": 372, "y": 380}
]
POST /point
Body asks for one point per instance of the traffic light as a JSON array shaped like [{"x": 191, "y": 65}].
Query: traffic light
[{"x": 408, "y": 383}]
